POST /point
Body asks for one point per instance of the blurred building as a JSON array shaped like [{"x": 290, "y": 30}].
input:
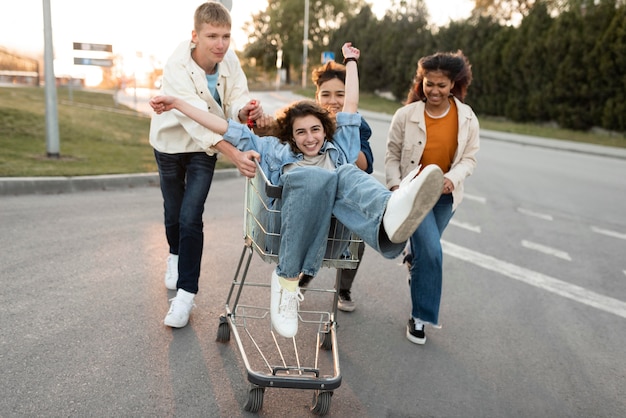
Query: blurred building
[{"x": 16, "y": 69}]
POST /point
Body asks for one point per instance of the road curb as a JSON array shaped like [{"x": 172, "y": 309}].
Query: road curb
[
  {"x": 557, "y": 144},
  {"x": 16, "y": 186}
]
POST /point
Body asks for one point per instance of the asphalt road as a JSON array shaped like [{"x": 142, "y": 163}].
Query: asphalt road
[{"x": 533, "y": 309}]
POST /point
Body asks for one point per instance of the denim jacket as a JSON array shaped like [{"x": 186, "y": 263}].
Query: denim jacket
[{"x": 344, "y": 149}]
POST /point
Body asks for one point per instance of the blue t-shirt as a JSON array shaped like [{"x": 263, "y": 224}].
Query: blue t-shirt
[{"x": 211, "y": 80}]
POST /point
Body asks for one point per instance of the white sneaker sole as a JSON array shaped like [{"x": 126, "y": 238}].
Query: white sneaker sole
[
  {"x": 415, "y": 340},
  {"x": 425, "y": 194},
  {"x": 171, "y": 322},
  {"x": 346, "y": 308}
]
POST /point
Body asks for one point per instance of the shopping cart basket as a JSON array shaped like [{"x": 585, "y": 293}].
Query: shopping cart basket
[{"x": 310, "y": 359}]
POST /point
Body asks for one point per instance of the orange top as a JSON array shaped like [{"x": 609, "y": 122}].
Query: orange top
[{"x": 441, "y": 139}]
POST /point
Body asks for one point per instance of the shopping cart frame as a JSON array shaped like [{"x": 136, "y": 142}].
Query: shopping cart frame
[{"x": 261, "y": 237}]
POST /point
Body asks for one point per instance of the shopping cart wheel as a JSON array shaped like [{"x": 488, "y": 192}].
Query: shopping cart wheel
[
  {"x": 321, "y": 402},
  {"x": 326, "y": 341},
  {"x": 255, "y": 399},
  {"x": 223, "y": 330}
]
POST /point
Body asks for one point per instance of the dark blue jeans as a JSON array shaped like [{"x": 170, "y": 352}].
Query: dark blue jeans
[{"x": 185, "y": 183}]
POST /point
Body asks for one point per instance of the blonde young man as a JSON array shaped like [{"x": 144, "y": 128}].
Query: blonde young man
[{"x": 204, "y": 72}]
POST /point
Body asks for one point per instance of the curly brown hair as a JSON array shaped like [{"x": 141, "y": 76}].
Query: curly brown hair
[
  {"x": 455, "y": 66},
  {"x": 285, "y": 120}
]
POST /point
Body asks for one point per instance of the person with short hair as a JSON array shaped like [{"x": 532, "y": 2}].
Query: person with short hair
[{"x": 205, "y": 73}]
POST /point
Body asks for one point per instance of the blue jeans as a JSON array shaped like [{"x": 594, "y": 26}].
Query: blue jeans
[
  {"x": 185, "y": 183},
  {"x": 310, "y": 196},
  {"x": 427, "y": 261}
]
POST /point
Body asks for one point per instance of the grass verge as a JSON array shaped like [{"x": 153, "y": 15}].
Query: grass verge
[
  {"x": 99, "y": 137},
  {"x": 96, "y": 136}
]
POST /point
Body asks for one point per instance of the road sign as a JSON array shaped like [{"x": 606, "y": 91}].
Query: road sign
[
  {"x": 327, "y": 56},
  {"x": 93, "y": 47},
  {"x": 102, "y": 62}
]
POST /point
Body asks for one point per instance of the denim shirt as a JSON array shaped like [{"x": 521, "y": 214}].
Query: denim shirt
[{"x": 344, "y": 149}]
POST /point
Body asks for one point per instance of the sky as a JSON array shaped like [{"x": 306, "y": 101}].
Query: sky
[{"x": 149, "y": 27}]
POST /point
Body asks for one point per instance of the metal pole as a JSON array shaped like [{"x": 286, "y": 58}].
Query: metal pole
[
  {"x": 52, "y": 117},
  {"x": 279, "y": 65},
  {"x": 305, "y": 44}
]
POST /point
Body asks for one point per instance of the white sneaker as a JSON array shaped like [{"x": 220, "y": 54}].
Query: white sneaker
[
  {"x": 180, "y": 308},
  {"x": 171, "y": 272},
  {"x": 410, "y": 203},
  {"x": 284, "y": 308}
]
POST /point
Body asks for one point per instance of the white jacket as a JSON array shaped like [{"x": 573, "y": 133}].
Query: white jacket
[
  {"x": 172, "y": 132},
  {"x": 407, "y": 138}
]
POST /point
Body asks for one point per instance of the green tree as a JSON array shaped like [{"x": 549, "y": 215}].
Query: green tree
[
  {"x": 510, "y": 12},
  {"x": 281, "y": 26},
  {"x": 404, "y": 37},
  {"x": 482, "y": 40},
  {"x": 609, "y": 61},
  {"x": 363, "y": 30},
  {"x": 580, "y": 90},
  {"x": 534, "y": 65}
]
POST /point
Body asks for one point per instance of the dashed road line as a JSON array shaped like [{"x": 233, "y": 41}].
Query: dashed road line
[
  {"x": 533, "y": 278},
  {"x": 464, "y": 225},
  {"x": 475, "y": 198},
  {"x": 528, "y": 212},
  {"x": 608, "y": 232},
  {"x": 546, "y": 250}
]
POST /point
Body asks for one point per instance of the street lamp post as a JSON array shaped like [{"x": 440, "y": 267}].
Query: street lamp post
[
  {"x": 305, "y": 43},
  {"x": 52, "y": 116}
]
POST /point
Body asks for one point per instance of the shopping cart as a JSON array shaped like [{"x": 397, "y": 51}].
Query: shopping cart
[{"x": 310, "y": 359}]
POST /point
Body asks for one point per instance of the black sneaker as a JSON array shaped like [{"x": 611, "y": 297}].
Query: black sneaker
[
  {"x": 415, "y": 332},
  {"x": 345, "y": 302},
  {"x": 304, "y": 282}
]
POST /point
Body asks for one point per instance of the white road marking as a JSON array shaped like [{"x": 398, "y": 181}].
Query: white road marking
[
  {"x": 608, "y": 232},
  {"x": 533, "y": 278},
  {"x": 543, "y": 216},
  {"x": 473, "y": 228},
  {"x": 475, "y": 198},
  {"x": 546, "y": 250}
]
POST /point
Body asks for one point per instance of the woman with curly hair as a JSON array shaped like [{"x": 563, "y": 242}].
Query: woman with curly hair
[{"x": 434, "y": 127}]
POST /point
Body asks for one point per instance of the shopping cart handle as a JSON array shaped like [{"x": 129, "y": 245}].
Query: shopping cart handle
[
  {"x": 271, "y": 190},
  {"x": 275, "y": 192}
]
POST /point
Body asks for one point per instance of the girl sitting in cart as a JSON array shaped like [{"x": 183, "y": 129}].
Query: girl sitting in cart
[{"x": 312, "y": 158}]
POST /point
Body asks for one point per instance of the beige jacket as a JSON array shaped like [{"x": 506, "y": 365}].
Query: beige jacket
[
  {"x": 172, "y": 132},
  {"x": 407, "y": 138}
]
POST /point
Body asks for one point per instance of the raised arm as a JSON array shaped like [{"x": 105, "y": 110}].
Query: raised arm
[
  {"x": 351, "y": 56},
  {"x": 210, "y": 121}
]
